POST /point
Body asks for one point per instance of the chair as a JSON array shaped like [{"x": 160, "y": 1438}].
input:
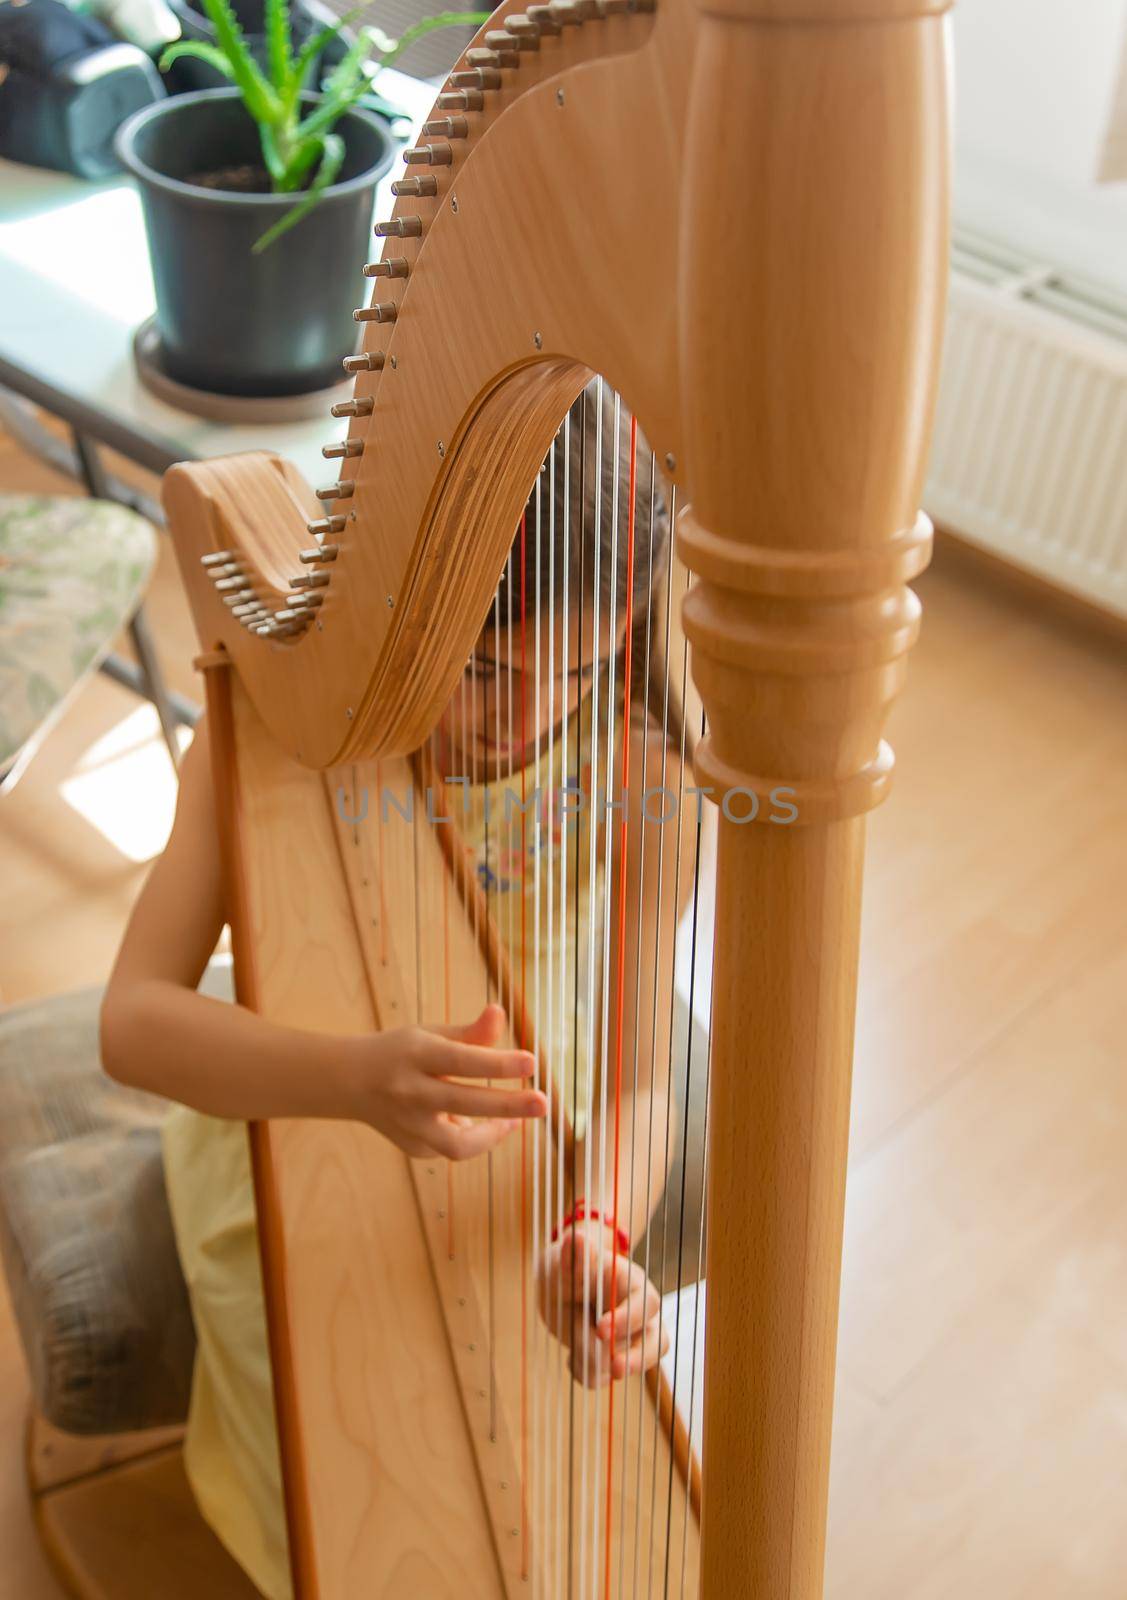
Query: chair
[
  {"x": 102, "y": 1311},
  {"x": 72, "y": 575}
]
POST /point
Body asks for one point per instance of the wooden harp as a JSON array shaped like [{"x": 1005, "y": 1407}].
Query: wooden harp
[{"x": 735, "y": 215}]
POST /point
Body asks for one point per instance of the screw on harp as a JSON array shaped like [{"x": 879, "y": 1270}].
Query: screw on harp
[
  {"x": 526, "y": 31},
  {"x": 360, "y": 406},
  {"x": 538, "y": 341},
  {"x": 344, "y": 448},
  {"x": 400, "y": 228},
  {"x": 457, "y": 100},
  {"x": 371, "y": 361},
  {"x": 392, "y": 267},
  {"x": 476, "y": 78},
  {"x": 544, "y": 20},
  {"x": 488, "y": 60},
  {"x": 670, "y": 461},
  {"x": 429, "y": 155},
  {"x": 419, "y": 188},
  {"x": 381, "y": 311},
  {"x": 343, "y": 490},
  {"x": 447, "y": 128},
  {"x": 323, "y": 525},
  {"x": 319, "y": 552},
  {"x": 504, "y": 42}
]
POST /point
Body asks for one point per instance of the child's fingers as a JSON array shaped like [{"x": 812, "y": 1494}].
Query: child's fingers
[
  {"x": 444, "y": 1058},
  {"x": 645, "y": 1351},
  {"x": 461, "y": 1142},
  {"x": 485, "y": 1029},
  {"x": 629, "y": 1315},
  {"x": 467, "y": 1100}
]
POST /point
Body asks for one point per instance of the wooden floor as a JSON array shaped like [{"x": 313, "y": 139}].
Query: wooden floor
[{"x": 981, "y": 1426}]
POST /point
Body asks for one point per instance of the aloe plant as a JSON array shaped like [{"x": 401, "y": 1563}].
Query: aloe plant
[{"x": 301, "y": 153}]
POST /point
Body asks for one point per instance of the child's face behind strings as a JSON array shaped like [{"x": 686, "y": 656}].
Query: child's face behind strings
[{"x": 478, "y": 736}]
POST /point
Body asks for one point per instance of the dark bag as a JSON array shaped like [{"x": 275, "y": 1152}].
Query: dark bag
[{"x": 66, "y": 86}]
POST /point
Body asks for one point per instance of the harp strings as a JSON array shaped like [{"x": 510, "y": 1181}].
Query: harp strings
[{"x": 591, "y": 994}]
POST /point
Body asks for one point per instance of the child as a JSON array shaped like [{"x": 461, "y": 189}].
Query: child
[{"x": 543, "y": 707}]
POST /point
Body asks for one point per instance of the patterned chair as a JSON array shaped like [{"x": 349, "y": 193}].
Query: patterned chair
[{"x": 72, "y": 575}]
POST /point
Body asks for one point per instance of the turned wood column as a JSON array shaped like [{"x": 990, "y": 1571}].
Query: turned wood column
[{"x": 813, "y": 277}]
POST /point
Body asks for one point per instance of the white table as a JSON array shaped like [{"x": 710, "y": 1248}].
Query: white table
[{"x": 75, "y": 284}]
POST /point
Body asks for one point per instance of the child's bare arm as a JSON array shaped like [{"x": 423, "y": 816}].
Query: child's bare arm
[{"x": 159, "y": 1034}]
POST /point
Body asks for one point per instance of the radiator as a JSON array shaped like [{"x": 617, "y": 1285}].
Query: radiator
[{"x": 1029, "y": 458}]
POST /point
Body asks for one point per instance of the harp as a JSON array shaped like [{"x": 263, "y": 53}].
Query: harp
[{"x": 735, "y": 215}]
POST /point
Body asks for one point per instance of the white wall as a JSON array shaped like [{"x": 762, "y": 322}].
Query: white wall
[{"x": 1035, "y": 83}]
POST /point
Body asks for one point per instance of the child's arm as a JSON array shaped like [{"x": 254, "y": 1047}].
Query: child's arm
[{"x": 159, "y": 1034}]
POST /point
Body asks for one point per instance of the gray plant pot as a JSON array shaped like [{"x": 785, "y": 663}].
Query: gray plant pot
[{"x": 230, "y": 321}]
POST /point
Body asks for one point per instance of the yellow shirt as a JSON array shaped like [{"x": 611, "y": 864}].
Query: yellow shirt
[{"x": 231, "y": 1447}]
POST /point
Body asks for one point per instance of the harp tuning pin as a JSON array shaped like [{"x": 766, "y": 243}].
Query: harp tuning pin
[
  {"x": 429, "y": 155},
  {"x": 478, "y": 78},
  {"x": 219, "y": 558},
  {"x": 379, "y": 311},
  {"x": 481, "y": 56},
  {"x": 586, "y": 10},
  {"x": 525, "y": 31},
  {"x": 309, "y": 580},
  {"x": 239, "y": 598},
  {"x": 323, "y": 525},
  {"x": 447, "y": 128},
  {"x": 371, "y": 361},
  {"x": 342, "y": 449},
  {"x": 544, "y": 20},
  {"x": 460, "y": 100},
  {"x": 344, "y": 490},
  {"x": 395, "y": 268},
  {"x": 507, "y": 44},
  {"x": 612, "y": 8},
  {"x": 400, "y": 228},
  {"x": 320, "y": 552},
  {"x": 565, "y": 12},
  {"x": 421, "y": 187},
  {"x": 225, "y": 585},
  {"x": 360, "y": 406}
]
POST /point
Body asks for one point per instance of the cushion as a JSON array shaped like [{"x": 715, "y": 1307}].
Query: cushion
[
  {"x": 85, "y": 1231},
  {"x": 72, "y": 573}
]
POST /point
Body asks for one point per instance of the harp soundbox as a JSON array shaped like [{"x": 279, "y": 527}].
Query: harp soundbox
[{"x": 719, "y": 229}]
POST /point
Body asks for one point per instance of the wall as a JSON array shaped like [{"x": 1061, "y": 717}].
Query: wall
[{"x": 1036, "y": 81}]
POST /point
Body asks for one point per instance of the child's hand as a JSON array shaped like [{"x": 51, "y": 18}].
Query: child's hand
[
  {"x": 577, "y": 1274},
  {"x": 401, "y": 1084}
]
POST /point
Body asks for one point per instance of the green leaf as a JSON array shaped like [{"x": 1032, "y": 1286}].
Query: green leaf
[
  {"x": 201, "y": 52},
  {"x": 313, "y": 47},
  {"x": 302, "y": 157},
  {"x": 331, "y": 158},
  {"x": 330, "y": 110},
  {"x": 346, "y": 74},
  {"x": 275, "y": 162},
  {"x": 259, "y": 98},
  {"x": 419, "y": 30},
  {"x": 279, "y": 44}
]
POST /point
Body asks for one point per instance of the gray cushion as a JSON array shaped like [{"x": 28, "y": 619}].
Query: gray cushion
[{"x": 85, "y": 1231}]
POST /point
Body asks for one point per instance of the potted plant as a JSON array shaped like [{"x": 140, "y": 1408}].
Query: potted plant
[{"x": 258, "y": 203}]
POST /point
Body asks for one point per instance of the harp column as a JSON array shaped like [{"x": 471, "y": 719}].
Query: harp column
[{"x": 813, "y": 274}]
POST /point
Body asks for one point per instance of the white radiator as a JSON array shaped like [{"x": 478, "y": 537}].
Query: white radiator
[{"x": 1030, "y": 451}]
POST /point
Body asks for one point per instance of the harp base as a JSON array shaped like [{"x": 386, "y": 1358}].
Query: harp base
[{"x": 117, "y": 1520}]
